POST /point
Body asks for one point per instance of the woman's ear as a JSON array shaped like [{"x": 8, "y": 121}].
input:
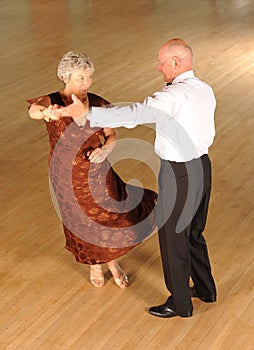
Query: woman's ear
[{"x": 66, "y": 79}]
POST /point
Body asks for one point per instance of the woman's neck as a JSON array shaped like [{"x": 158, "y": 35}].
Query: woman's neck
[{"x": 66, "y": 95}]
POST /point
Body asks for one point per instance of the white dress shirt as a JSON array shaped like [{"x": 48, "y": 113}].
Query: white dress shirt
[{"x": 183, "y": 113}]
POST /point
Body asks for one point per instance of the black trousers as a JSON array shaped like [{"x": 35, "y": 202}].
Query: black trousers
[{"x": 184, "y": 193}]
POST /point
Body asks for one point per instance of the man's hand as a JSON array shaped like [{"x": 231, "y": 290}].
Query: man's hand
[{"x": 75, "y": 110}]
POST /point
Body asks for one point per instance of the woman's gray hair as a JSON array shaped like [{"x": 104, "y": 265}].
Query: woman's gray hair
[{"x": 72, "y": 61}]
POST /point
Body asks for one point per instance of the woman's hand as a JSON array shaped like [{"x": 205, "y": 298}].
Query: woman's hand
[
  {"x": 41, "y": 108},
  {"x": 48, "y": 112},
  {"x": 98, "y": 155}
]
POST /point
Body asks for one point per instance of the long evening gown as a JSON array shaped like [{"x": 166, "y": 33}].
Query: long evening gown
[{"x": 103, "y": 218}]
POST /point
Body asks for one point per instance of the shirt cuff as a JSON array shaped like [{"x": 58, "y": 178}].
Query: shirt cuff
[{"x": 80, "y": 121}]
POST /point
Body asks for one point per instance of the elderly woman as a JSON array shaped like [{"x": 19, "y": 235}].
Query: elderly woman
[{"x": 102, "y": 217}]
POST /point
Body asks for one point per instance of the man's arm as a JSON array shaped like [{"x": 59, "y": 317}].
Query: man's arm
[{"x": 129, "y": 116}]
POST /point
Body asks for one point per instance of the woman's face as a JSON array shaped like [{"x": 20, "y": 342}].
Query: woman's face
[{"x": 79, "y": 81}]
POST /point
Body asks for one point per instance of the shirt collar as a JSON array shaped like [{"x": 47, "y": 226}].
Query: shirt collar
[{"x": 183, "y": 76}]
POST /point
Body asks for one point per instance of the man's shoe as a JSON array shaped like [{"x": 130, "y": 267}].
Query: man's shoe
[
  {"x": 165, "y": 312},
  {"x": 205, "y": 299}
]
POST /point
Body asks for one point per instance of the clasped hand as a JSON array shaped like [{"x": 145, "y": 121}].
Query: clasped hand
[{"x": 48, "y": 112}]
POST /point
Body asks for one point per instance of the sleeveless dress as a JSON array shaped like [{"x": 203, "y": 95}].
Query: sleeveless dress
[{"x": 103, "y": 217}]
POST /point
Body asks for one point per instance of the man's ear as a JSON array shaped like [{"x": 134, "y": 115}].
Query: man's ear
[{"x": 177, "y": 61}]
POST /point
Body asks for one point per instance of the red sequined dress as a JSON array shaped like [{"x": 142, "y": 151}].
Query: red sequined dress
[{"x": 103, "y": 218}]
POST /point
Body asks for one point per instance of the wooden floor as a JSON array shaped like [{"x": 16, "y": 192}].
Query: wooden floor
[{"x": 46, "y": 300}]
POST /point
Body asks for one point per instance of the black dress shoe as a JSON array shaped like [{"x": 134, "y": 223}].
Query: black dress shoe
[
  {"x": 205, "y": 299},
  {"x": 165, "y": 312}
]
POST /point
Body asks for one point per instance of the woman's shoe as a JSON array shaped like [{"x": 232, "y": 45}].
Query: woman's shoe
[
  {"x": 120, "y": 277},
  {"x": 96, "y": 276}
]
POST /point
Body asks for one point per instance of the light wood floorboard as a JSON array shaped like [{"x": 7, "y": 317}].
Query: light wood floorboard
[{"x": 46, "y": 300}]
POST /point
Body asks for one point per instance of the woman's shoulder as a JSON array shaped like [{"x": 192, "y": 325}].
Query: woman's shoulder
[
  {"x": 96, "y": 100},
  {"x": 56, "y": 98}
]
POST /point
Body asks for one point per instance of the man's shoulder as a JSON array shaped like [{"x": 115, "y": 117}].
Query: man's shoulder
[{"x": 192, "y": 83}]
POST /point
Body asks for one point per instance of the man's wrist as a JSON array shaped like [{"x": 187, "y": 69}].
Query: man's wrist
[{"x": 88, "y": 115}]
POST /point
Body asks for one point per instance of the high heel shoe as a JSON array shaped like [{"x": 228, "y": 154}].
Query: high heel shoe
[
  {"x": 122, "y": 281},
  {"x": 96, "y": 276}
]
